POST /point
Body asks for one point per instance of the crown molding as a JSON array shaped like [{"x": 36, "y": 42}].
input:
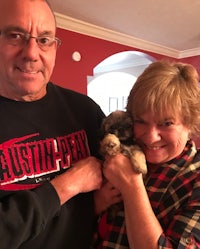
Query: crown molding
[
  {"x": 189, "y": 53},
  {"x": 72, "y": 24}
]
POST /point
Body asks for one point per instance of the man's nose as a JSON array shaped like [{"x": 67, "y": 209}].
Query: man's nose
[{"x": 31, "y": 49}]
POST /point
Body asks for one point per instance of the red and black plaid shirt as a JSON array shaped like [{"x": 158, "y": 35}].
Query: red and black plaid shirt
[{"x": 174, "y": 194}]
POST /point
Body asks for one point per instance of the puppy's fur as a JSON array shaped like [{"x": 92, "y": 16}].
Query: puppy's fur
[{"x": 117, "y": 137}]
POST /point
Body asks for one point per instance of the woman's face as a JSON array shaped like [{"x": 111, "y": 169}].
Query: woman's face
[{"x": 161, "y": 140}]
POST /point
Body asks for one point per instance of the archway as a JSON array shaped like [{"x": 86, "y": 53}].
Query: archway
[{"x": 114, "y": 77}]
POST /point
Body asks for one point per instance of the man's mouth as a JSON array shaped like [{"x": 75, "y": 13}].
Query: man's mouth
[{"x": 27, "y": 71}]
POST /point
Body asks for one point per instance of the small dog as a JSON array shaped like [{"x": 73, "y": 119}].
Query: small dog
[{"x": 117, "y": 137}]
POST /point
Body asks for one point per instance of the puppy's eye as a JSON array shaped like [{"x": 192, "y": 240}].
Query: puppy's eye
[
  {"x": 112, "y": 128},
  {"x": 128, "y": 127}
]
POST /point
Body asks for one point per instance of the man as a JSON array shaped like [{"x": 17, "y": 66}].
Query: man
[{"x": 48, "y": 141}]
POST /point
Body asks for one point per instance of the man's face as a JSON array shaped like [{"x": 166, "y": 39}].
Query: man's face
[{"x": 25, "y": 69}]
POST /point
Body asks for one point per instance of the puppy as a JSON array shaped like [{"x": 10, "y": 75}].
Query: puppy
[{"x": 117, "y": 137}]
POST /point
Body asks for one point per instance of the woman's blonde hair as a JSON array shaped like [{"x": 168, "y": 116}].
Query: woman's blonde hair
[{"x": 167, "y": 87}]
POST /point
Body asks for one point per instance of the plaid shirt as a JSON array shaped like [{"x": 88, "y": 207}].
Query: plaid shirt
[{"x": 174, "y": 194}]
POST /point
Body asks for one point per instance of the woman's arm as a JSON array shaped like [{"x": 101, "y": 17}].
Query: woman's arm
[{"x": 143, "y": 228}]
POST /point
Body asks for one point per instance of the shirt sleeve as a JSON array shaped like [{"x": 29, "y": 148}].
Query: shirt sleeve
[
  {"x": 24, "y": 214},
  {"x": 183, "y": 231},
  {"x": 187, "y": 241}
]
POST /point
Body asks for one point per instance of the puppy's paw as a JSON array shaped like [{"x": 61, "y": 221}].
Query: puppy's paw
[
  {"x": 138, "y": 159},
  {"x": 110, "y": 145}
]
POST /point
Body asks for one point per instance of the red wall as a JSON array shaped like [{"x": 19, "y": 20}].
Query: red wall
[{"x": 73, "y": 75}]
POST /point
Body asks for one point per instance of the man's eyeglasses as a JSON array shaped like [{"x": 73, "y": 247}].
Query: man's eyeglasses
[{"x": 21, "y": 39}]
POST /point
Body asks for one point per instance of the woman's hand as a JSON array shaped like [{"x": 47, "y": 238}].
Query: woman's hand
[
  {"x": 106, "y": 196},
  {"x": 118, "y": 170}
]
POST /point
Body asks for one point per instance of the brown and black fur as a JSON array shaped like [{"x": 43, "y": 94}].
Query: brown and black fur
[{"x": 117, "y": 137}]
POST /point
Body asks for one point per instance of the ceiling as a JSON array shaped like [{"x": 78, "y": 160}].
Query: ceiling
[{"x": 166, "y": 27}]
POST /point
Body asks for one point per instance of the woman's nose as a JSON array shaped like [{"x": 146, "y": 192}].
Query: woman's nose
[{"x": 153, "y": 134}]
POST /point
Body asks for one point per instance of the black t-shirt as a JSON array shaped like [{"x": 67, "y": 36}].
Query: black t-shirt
[{"x": 38, "y": 141}]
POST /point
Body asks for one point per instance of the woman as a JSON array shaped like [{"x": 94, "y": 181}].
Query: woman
[{"x": 161, "y": 209}]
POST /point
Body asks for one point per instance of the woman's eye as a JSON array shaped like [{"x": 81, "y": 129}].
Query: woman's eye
[
  {"x": 167, "y": 123},
  {"x": 138, "y": 121}
]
